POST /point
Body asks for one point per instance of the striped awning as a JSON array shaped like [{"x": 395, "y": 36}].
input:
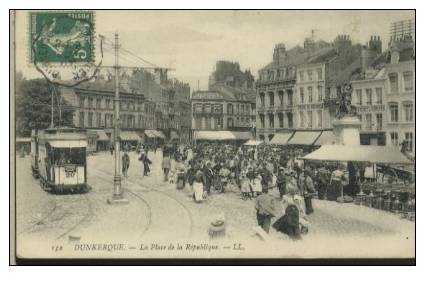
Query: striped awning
[
  {"x": 174, "y": 135},
  {"x": 129, "y": 136},
  {"x": 327, "y": 137},
  {"x": 304, "y": 138},
  {"x": 281, "y": 138},
  {"x": 101, "y": 135},
  {"x": 150, "y": 133}
]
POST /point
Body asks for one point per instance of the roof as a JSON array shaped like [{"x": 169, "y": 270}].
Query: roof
[
  {"x": 360, "y": 153},
  {"x": 294, "y": 56},
  {"x": 304, "y": 137},
  {"x": 281, "y": 138},
  {"x": 322, "y": 55},
  {"x": 225, "y": 93},
  {"x": 221, "y": 135}
]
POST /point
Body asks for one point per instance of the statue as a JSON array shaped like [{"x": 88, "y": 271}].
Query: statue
[{"x": 344, "y": 103}]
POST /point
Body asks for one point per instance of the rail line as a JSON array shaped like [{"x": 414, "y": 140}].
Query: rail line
[
  {"x": 148, "y": 206},
  {"x": 152, "y": 190},
  {"x": 40, "y": 221}
]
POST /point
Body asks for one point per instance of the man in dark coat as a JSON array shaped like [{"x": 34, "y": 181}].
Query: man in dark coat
[
  {"x": 266, "y": 209},
  {"x": 146, "y": 161},
  {"x": 125, "y": 164},
  {"x": 308, "y": 193},
  {"x": 208, "y": 176},
  {"x": 281, "y": 182}
]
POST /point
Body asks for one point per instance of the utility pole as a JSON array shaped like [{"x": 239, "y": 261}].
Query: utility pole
[
  {"x": 52, "y": 125},
  {"x": 117, "y": 196}
]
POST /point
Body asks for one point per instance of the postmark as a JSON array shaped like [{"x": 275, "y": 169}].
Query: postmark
[{"x": 62, "y": 37}]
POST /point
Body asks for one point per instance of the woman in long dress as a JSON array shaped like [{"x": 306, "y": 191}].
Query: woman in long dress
[
  {"x": 257, "y": 189},
  {"x": 198, "y": 187}
]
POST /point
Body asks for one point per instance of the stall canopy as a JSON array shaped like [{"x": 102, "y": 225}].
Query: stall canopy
[
  {"x": 281, "y": 139},
  {"x": 303, "y": 138},
  {"x": 101, "y": 135},
  {"x": 129, "y": 136},
  {"x": 327, "y": 137},
  {"x": 360, "y": 153},
  {"x": 174, "y": 135},
  {"x": 221, "y": 135},
  {"x": 253, "y": 143}
]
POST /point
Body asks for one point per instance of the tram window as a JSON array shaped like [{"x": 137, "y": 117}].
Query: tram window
[{"x": 63, "y": 156}]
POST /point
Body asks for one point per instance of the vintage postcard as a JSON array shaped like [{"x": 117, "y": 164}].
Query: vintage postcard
[{"x": 238, "y": 134}]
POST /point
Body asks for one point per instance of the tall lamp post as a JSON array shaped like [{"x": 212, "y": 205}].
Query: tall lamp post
[{"x": 117, "y": 196}]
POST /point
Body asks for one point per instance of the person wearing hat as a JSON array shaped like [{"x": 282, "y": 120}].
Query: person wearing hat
[
  {"x": 208, "y": 174},
  {"x": 309, "y": 191}
]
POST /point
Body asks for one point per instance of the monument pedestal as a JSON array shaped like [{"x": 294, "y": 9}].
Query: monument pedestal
[{"x": 347, "y": 130}]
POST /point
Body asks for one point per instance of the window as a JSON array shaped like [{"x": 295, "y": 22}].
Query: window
[
  {"x": 394, "y": 139},
  {"x": 408, "y": 112},
  {"x": 394, "y": 112},
  {"x": 319, "y": 74},
  {"x": 408, "y": 80},
  {"x": 368, "y": 96},
  {"x": 361, "y": 120},
  {"x": 290, "y": 120},
  {"x": 319, "y": 93},
  {"x": 81, "y": 102},
  {"x": 81, "y": 120},
  {"x": 90, "y": 123},
  {"x": 262, "y": 121},
  {"x": 319, "y": 119},
  {"x": 310, "y": 94},
  {"x": 98, "y": 103},
  {"x": 393, "y": 77},
  {"x": 369, "y": 122},
  {"x": 281, "y": 98},
  {"x": 271, "y": 96},
  {"x": 289, "y": 98},
  {"x": 301, "y": 95},
  {"x": 301, "y": 75},
  {"x": 310, "y": 119},
  {"x": 409, "y": 140},
  {"x": 310, "y": 75},
  {"x": 271, "y": 121},
  {"x": 90, "y": 102},
  {"x": 98, "y": 119},
  {"x": 301, "y": 120},
  {"x": 108, "y": 104},
  {"x": 378, "y": 95},
  {"x": 230, "y": 109},
  {"x": 262, "y": 101},
  {"x": 359, "y": 96},
  {"x": 378, "y": 121},
  {"x": 280, "y": 120}
]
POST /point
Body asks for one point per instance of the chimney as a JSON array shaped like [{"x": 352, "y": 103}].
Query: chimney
[
  {"x": 279, "y": 53},
  {"x": 342, "y": 42},
  {"x": 367, "y": 56},
  {"x": 375, "y": 44},
  {"x": 160, "y": 75}
]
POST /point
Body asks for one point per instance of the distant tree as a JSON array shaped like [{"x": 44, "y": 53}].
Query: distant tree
[{"x": 33, "y": 107}]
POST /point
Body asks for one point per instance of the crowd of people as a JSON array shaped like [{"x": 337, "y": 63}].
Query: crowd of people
[{"x": 252, "y": 172}]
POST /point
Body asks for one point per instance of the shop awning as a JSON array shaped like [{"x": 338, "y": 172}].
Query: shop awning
[
  {"x": 160, "y": 134},
  {"x": 101, "y": 135},
  {"x": 68, "y": 144},
  {"x": 129, "y": 136},
  {"x": 253, "y": 143},
  {"x": 303, "y": 138},
  {"x": 360, "y": 153},
  {"x": 221, "y": 135},
  {"x": 281, "y": 138},
  {"x": 174, "y": 135},
  {"x": 327, "y": 137},
  {"x": 23, "y": 140},
  {"x": 242, "y": 135},
  {"x": 150, "y": 133}
]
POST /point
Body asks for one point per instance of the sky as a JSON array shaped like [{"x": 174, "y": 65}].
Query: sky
[{"x": 192, "y": 41}]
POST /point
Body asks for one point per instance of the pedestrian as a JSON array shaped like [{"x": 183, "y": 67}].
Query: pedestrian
[
  {"x": 111, "y": 149},
  {"x": 198, "y": 187},
  {"x": 208, "y": 174},
  {"x": 289, "y": 223},
  {"x": 266, "y": 209},
  {"x": 125, "y": 164},
  {"x": 256, "y": 186},
  {"x": 337, "y": 178},
  {"x": 166, "y": 165},
  {"x": 245, "y": 187},
  {"x": 281, "y": 182},
  {"x": 145, "y": 160},
  {"x": 309, "y": 192}
]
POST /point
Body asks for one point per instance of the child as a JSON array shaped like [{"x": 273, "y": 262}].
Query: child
[{"x": 245, "y": 187}]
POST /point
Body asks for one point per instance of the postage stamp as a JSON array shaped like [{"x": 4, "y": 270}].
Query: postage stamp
[{"x": 62, "y": 37}]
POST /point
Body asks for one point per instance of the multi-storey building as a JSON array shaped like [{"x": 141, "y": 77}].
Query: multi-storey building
[
  {"x": 400, "y": 73},
  {"x": 223, "y": 108},
  {"x": 230, "y": 74}
]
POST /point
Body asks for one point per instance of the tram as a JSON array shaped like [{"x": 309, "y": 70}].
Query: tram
[{"x": 61, "y": 159}]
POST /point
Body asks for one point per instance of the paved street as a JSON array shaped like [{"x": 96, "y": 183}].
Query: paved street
[{"x": 157, "y": 212}]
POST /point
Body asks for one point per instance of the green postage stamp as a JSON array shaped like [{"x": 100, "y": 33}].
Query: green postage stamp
[{"x": 61, "y": 37}]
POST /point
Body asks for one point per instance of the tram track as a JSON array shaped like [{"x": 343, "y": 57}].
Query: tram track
[
  {"x": 39, "y": 222},
  {"x": 158, "y": 192}
]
